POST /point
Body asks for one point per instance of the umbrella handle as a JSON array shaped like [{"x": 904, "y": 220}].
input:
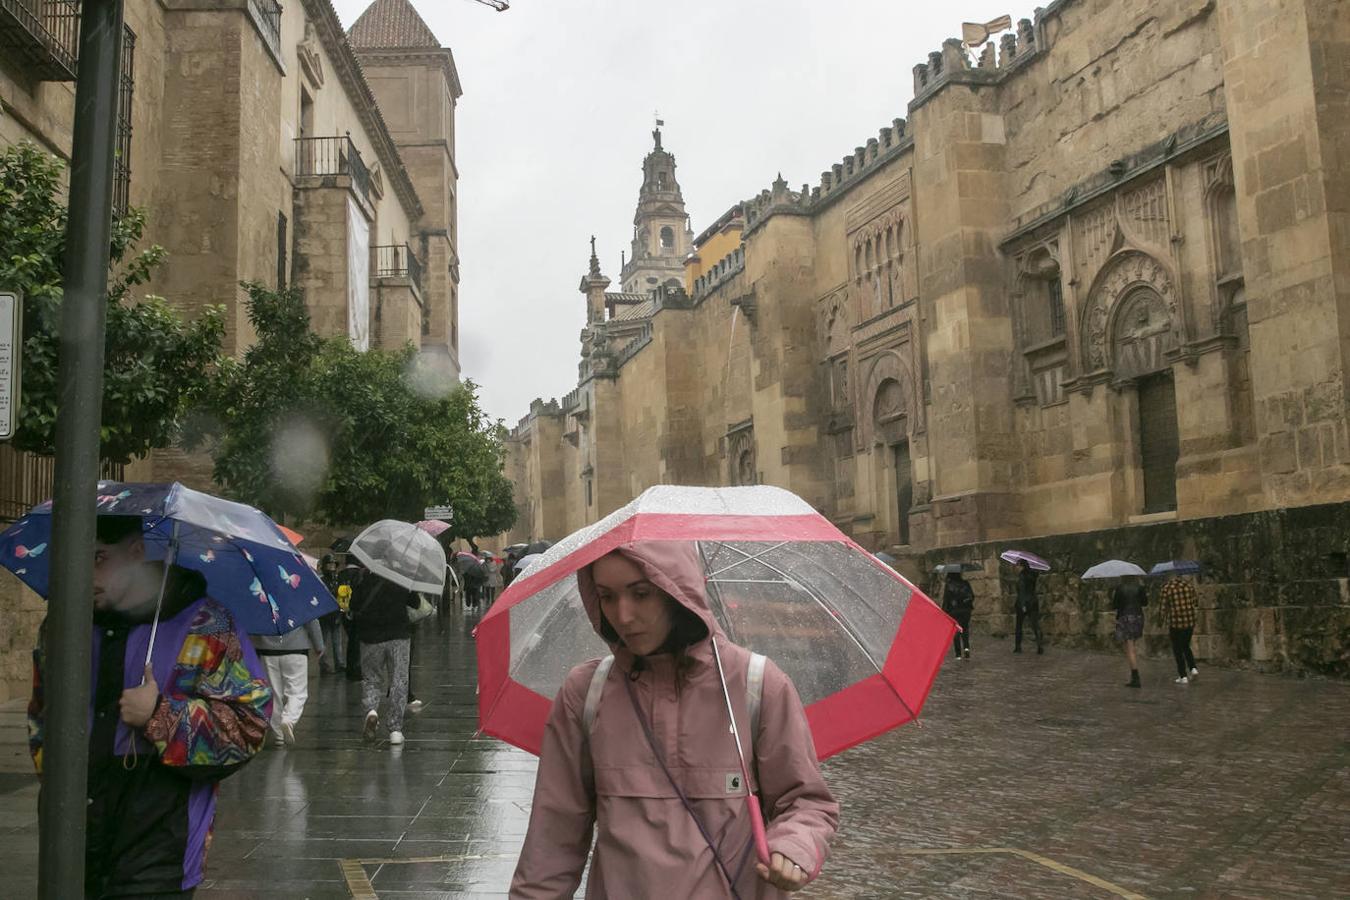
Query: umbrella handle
[{"x": 757, "y": 828}]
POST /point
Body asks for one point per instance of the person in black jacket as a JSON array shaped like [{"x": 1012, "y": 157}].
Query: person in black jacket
[
  {"x": 1129, "y": 599},
  {"x": 380, "y": 616},
  {"x": 958, "y": 600},
  {"x": 1028, "y": 607}
]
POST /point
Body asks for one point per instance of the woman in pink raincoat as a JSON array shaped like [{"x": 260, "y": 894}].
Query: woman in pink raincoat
[{"x": 658, "y": 777}]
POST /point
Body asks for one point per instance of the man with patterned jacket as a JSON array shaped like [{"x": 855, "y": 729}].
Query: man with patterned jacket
[{"x": 161, "y": 735}]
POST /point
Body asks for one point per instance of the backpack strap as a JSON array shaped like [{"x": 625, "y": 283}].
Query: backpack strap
[
  {"x": 754, "y": 691},
  {"x": 593, "y": 694}
]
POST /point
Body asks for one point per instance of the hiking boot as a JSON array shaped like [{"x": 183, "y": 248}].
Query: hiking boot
[{"x": 372, "y": 725}]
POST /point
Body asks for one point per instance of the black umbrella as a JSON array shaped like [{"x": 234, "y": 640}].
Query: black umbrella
[{"x": 538, "y": 547}]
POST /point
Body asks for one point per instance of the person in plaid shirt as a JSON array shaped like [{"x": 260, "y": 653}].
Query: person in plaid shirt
[{"x": 1178, "y": 608}]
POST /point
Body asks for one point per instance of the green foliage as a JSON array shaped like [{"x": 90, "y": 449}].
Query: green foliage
[
  {"x": 315, "y": 429},
  {"x": 156, "y": 364}
]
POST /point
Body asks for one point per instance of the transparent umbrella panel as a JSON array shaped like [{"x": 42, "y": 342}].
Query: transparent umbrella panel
[{"x": 823, "y": 611}]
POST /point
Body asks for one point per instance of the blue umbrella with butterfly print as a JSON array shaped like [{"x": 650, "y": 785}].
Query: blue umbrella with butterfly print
[{"x": 249, "y": 565}]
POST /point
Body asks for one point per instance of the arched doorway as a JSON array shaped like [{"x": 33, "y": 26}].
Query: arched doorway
[{"x": 890, "y": 426}]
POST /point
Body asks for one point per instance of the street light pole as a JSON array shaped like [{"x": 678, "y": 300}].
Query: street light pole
[{"x": 65, "y": 754}]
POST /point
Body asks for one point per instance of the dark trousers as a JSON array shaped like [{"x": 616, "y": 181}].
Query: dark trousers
[
  {"x": 1181, "y": 650},
  {"x": 962, "y": 637},
  {"x": 1033, "y": 617}
]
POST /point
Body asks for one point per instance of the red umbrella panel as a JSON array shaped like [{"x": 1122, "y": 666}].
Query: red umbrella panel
[{"x": 861, "y": 644}]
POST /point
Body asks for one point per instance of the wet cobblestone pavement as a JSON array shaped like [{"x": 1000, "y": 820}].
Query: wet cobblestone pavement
[{"x": 1031, "y": 777}]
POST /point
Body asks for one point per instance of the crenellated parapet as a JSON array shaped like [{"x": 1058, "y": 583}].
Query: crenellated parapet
[
  {"x": 721, "y": 272},
  {"x": 953, "y": 64}
]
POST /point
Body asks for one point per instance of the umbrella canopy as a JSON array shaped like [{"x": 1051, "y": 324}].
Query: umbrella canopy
[
  {"x": 433, "y": 527},
  {"x": 517, "y": 548},
  {"x": 860, "y": 643},
  {"x": 538, "y": 547},
  {"x": 1177, "y": 567},
  {"x": 341, "y": 544},
  {"x": 1022, "y": 556},
  {"x": 292, "y": 535},
  {"x": 402, "y": 553},
  {"x": 248, "y": 563},
  {"x": 1113, "y": 568},
  {"x": 526, "y": 561},
  {"x": 948, "y": 568},
  {"x": 886, "y": 558}
]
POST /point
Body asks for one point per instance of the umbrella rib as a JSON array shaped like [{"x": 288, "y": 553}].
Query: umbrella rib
[
  {"x": 748, "y": 557},
  {"x": 726, "y": 619}
]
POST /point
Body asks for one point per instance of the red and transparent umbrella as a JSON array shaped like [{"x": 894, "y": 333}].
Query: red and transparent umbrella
[{"x": 861, "y": 644}]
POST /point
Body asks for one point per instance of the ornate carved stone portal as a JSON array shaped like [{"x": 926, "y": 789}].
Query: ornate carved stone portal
[{"x": 1130, "y": 320}]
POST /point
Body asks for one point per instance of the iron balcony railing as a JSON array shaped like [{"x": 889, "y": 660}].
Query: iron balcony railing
[
  {"x": 332, "y": 156},
  {"x": 44, "y": 34},
  {"x": 268, "y": 16},
  {"x": 398, "y": 261}
]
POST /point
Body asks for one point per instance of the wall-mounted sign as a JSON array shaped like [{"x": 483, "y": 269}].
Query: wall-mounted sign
[
  {"x": 438, "y": 514},
  {"x": 11, "y": 337}
]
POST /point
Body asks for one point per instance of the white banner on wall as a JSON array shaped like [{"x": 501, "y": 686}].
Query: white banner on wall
[{"x": 358, "y": 276}]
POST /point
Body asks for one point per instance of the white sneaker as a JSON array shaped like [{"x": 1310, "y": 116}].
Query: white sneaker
[
  {"x": 1195, "y": 673},
  {"x": 1182, "y": 680},
  {"x": 415, "y": 707},
  {"x": 288, "y": 734},
  {"x": 372, "y": 725},
  {"x": 395, "y": 738}
]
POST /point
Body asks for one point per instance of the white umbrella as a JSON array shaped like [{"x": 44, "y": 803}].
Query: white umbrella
[
  {"x": 526, "y": 561},
  {"x": 1113, "y": 568},
  {"x": 402, "y": 553}
]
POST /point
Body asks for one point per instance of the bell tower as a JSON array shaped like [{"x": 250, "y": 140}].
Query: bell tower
[{"x": 662, "y": 237}]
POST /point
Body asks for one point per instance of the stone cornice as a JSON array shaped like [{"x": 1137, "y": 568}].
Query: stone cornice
[
  {"x": 416, "y": 56},
  {"x": 348, "y": 70}
]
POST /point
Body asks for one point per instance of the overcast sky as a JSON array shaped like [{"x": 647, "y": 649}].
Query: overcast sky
[{"x": 557, "y": 115}]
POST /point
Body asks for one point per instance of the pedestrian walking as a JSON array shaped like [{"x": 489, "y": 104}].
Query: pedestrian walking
[
  {"x": 475, "y": 584},
  {"x": 495, "y": 582},
  {"x": 638, "y": 749},
  {"x": 350, "y": 577},
  {"x": 162, "y": 735},
  {"x": 1129, "y": 599},
  {"x": 334, "y": 655},
  {"x": 1179, "y": 603},
  {"x": 380, "y": 617},
  {"x": 1028, "y": 607},
  {"x": 958, "y": 600},
  {"x": 286, "y": 660}
]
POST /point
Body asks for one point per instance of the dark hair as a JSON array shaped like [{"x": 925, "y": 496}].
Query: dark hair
[{"x": 115, "y": 529}]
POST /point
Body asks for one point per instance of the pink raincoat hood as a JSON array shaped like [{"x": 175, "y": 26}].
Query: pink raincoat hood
[{"x": 674, "y": 567}]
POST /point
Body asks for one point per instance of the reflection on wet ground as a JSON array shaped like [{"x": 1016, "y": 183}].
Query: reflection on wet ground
[{"x": 1031, "y": 777}]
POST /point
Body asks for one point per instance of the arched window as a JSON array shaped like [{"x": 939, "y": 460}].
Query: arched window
[
  {"x": 667, "y": 238},
  {"x": 660, "y": 181}
]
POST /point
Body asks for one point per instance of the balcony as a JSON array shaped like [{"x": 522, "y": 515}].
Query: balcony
[
  {"x": 43, "y": 34},
  {"x": 329, "y": 156},
  {"x": 397, "y": 261},
  {"x": 267, "y": 15}
]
